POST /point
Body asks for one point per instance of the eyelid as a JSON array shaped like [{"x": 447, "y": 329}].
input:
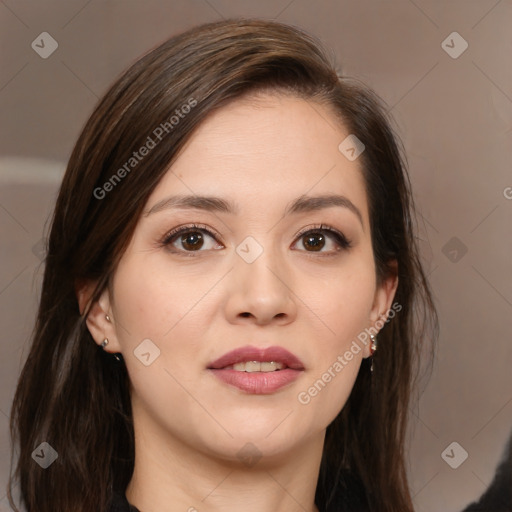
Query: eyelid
[
  {"x": 188, "y": 227},
  {"x": 340, "y": 238}
]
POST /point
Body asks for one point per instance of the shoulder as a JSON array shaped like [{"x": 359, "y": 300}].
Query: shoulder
[{"x": 498, "y": 496}]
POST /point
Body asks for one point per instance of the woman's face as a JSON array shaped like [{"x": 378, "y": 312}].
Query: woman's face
[{"x": 257, "y": 271}]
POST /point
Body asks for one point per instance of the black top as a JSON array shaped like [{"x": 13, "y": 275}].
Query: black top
[
  {"x": 120, "y": 504},
  {"x": 498, "y": 496}
]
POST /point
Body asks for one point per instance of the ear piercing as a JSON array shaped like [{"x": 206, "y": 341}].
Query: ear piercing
[
  {"x": 104, "y": 343},
  {"x": 118, "y": 356},
  {"x": 373, "y": 348}
]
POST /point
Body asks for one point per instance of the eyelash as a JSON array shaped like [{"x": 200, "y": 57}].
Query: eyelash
[{"x": 339, "y": 237}]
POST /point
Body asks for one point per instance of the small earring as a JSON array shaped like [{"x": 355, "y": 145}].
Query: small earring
[
  {"x": 105, "y": 342},
  {"x": 373, "y": 348},
  {"x": 107, "y": 318}
]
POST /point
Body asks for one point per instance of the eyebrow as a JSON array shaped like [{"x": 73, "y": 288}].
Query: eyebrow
[{"x": 216, "y": 204}]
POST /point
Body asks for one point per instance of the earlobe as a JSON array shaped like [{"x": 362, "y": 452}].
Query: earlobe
[
  {"x": 384, "y": 296},
  {"x": 383, "y": 300},
  {"x": 99, "y": 317}
]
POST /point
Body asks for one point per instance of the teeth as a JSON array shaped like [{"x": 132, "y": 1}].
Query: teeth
[{"x": 256, "y": 366}]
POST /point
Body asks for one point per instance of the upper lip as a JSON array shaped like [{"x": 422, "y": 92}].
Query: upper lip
[{"x": 249, "y": 353}]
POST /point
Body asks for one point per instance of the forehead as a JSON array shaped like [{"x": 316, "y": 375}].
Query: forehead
[{"x": 273, "y": 147}]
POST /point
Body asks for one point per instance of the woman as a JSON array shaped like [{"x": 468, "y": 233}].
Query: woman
[{"x": 232, "y": 240}]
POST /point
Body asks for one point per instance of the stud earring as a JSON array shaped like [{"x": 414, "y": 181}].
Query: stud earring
[
  {"x": 118, "y": 357},
  {"x": 107, "y": 318}
]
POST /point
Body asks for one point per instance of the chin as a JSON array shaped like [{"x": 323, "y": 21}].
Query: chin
[
  {"x": 267, "y": 437},
  {"x": 250, "y": 452}
]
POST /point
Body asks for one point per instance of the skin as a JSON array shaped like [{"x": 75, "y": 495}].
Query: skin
[{"x": 261, "y": 152}]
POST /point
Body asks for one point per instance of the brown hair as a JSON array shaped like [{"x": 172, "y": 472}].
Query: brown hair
[{"x": 74, "y": 395}]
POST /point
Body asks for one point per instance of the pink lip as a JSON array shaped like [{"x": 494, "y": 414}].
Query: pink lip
[
  {"x": 258, "y": 382},
  {"x": 239, "y": 355}
]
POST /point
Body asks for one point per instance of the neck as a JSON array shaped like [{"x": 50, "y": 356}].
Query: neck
[{"x": 169, "y": 475}]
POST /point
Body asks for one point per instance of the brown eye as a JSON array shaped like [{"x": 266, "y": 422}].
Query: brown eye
[
  {"x": 314, "y": 241},
  {"x": 324, "y": 240},
  {"x": 192, "y": 240}
]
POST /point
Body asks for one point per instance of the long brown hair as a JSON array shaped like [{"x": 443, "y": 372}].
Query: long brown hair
[{"x": 73, "y": 395}]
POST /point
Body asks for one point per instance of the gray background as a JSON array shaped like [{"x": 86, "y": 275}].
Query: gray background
[{"x": 453, "y": 114}]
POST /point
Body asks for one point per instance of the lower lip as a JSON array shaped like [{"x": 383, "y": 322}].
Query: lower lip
[{"x": 258, "y": 383}]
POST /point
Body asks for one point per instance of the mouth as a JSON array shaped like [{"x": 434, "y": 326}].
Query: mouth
[
  {"x": 257, "y": 371},
  {"x": 256, "y": 366}
]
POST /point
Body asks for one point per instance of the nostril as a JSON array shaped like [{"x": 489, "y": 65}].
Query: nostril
[{"x": 246, "y": 314}]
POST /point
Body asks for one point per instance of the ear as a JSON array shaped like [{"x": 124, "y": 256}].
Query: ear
[
  {"x": 97, "y": 323},
  {"x": 382, "y": 302}
]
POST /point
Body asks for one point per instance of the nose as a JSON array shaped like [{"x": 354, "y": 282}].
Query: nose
[{"x": 261, "y": 292}]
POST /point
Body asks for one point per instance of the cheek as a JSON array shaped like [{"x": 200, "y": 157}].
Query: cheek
[
  {"x": 343, "y": 307},
  {"x": 156, "y": 303},
  {"x": 151, "y": 301},
  {"x": 343, "y": 304}
]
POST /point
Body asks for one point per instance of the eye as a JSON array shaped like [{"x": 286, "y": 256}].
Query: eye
[
  {"x": 199, "y": 238},
  {"x": 192, "y": 238},
  {"x": 317, "y": 238}
]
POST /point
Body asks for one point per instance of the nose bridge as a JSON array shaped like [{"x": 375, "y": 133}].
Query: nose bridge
[
  {"x": 258, "y": 263},
  {"x": 260, "y": 280}
]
